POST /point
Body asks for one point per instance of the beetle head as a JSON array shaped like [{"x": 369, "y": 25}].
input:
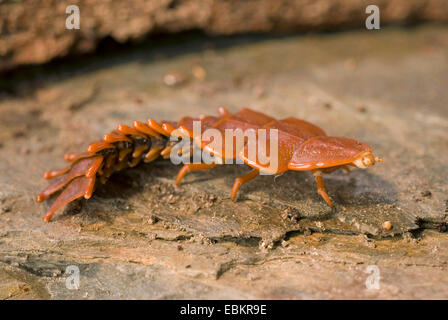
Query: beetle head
[
  {"x": 366, "y": 160},
  {"x": 324, "y": 152}
]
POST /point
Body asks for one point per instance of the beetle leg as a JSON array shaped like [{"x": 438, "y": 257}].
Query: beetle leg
[
  {"x": 321, "y": 188},
  {"x": 242, "y": 180},
  {"x": 192, "y": 167},
  {"x": 331, "y": 169}
]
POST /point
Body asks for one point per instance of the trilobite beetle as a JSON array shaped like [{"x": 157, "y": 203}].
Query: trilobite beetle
[{"x": 300, "y": 146}]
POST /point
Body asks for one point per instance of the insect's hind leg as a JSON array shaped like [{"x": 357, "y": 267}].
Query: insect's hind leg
[
  {"x": 242, "y": 180},
  {"x": 190, "y": 167},
  {"x": 321, "y": 187}
]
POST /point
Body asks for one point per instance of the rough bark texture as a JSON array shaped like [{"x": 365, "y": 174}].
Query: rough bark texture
[
  {"x": 279, "y": 240},
  {"x": 34, "y": 31}
]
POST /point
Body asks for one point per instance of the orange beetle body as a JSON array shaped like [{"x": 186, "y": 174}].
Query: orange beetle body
[{"x": 299, "y": 146}]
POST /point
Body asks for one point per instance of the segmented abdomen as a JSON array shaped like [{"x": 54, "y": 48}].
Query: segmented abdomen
[{"x": 123, "y": 148}]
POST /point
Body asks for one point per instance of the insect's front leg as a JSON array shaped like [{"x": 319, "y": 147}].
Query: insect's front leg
[
  {"x": 333, "y": 169},
  {"x": 321, "y": 187}
]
